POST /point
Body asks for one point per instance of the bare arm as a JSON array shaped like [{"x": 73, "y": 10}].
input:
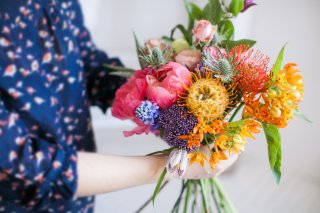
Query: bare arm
[{"x": 105, "y": 173}]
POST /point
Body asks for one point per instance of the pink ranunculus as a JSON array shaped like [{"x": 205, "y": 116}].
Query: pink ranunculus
[
  {"x": 204, "y": 31},
  {"x": 129, "y": 96},
  {"x": 156, "y": 42},
  {"x": 163, "y": 89},
  {"x": 189, "y": 58}
]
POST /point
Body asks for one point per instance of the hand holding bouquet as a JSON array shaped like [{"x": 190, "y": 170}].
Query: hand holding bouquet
[{"x": 190, "y": 89}]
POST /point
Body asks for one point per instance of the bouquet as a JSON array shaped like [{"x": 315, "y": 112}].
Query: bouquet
[{"x": 190, "y": 89}]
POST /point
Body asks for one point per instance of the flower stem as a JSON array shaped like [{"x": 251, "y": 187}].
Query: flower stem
[
  {"x": 236, "y": 111},
  {"x": 226, "y": 199},
  {"x": 150, "y": 199}
]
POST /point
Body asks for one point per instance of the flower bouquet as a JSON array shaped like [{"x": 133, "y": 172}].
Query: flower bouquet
[{"x": 190, "y": 89}]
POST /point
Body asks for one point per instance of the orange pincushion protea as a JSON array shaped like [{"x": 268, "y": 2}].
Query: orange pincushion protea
[{"x": 254, "y": 74}]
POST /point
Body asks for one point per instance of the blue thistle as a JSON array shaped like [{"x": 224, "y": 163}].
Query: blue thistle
[{"x": 147, "y": 112}]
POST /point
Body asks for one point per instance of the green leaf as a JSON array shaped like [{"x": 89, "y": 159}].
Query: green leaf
[
  {"x": 297, "y": 113},
  {"x": 187, "y": 35},
  {"x": 194, "y": 12},
  {"x": 213, "y": 12},
  {"x": 139, "y": 48},
  {"x": 277, "y": 66},
  {"x": 165, "y": 151},
  {"x": 187, "y": 198},
  {"x": 236, "y": 6},
  {"x": 227, "y": 30},
  {"x": 230, "y": 44},
  {"x": 158, "y": 186},
  {"x": 274, "y": 149}
]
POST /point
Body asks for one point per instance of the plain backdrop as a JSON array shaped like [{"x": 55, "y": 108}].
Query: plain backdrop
[{"x": 249, "y": 182}]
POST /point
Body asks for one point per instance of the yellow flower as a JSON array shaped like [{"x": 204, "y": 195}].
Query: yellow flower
[
  {"x": 215, "y": 158},
  {"x": 238, "y": 144},
  {"x": 221, "y": 142},
  {"x": 198, "y": 158},
  {"x": 249, "y": 128},
  {"x": 206, "y": 97}
]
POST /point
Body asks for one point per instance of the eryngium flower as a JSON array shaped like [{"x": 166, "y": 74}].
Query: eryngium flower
[
  {"x": 175, "y": 121},
  {"x": 147, "y": 112}
]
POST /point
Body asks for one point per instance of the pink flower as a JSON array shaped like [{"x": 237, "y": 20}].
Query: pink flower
[
  {"x": 204, "y": 31},
  {"x": 156, "y": 42},
  {"x": 129, "y": 96},
  {"x": 164, "y": 87},
  {"x": 189, "y": 58},
  {"x": 215, "y": 51},
  {"x": 141, "y": 128}
]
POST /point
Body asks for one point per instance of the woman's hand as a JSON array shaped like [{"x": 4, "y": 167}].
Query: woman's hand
[{"x": 106, "y": 173}]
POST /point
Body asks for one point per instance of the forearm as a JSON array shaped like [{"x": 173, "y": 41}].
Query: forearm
[{"x": 105, "y": 173}]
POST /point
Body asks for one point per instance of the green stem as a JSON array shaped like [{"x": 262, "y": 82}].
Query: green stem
[
  {"x": 119, "y": 68},
  {"x": 204, "y": 197},
  {"x": 186, "y": 202},
  {"x": 236, "y": 111},
  {"x": 177, "y": 203},
  {"x": 226, "y": 199},
  {"x": 218, "y": 206}
]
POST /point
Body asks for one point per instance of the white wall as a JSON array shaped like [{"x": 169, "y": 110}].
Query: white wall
[{"x": 249, "y": 182}]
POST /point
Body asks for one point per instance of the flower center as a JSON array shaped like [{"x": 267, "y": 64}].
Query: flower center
[{"x": 207, "y": 98}]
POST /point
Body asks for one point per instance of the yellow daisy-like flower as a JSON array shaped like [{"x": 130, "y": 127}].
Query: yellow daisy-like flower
[{"x": 198, "y": 158}]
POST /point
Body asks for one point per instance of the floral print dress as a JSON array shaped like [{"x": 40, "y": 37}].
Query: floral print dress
[{"x": 50, "y": 74}]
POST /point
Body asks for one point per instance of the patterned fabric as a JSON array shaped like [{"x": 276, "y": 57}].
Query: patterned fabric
[{"x": 50, "y": 73}]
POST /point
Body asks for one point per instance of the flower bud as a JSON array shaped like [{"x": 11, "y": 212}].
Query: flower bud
[{"x": 204, "y": 31}]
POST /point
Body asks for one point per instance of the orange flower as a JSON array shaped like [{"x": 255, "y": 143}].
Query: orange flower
[
  {"x": 249, "y": 128},
  {"x": 221, "y": 142},
  {"x": 276, "y": 105},
  {"x": 215, "y": 158},
  {"x": 198, "y": 158},
  {"x": 193, "y": 140},
  {"x": 216, "y": 127}
]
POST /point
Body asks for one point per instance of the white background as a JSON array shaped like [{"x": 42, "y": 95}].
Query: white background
[{"x": 249, "y": 182}]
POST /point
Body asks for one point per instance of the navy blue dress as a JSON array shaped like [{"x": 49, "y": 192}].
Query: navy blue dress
[{"x": 50, "y": 74}]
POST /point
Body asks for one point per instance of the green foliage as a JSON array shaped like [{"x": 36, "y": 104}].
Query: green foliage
[
  {"x": 277, "y": 66},
  {"x": 229, "y": 44},
  {"x": 158, "y": 186},
  {"x": 194, "y": 12},
  {"x": 213, "y": 12},
  {"x": 236, "y": 6},
  {"x": 186, "y": 33},
  {"x": 274, "y": 149},
  {"x": 298, "y": 114},
  {"x": 226, "y": 30}
]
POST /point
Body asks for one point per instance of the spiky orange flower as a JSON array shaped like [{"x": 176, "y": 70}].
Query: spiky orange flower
[
  {"x": 276, "y": 105},
  {"x": 254, "y": 74}
]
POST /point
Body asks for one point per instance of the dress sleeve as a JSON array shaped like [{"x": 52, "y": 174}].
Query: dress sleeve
[
  {"x": 101, "y": 86},
  {"x": 33, "y": 171}
]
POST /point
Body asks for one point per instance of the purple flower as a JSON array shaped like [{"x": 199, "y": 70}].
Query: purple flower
[
  {"x": 175, "y": 121},
  {"x": 247, "y": 5}
]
